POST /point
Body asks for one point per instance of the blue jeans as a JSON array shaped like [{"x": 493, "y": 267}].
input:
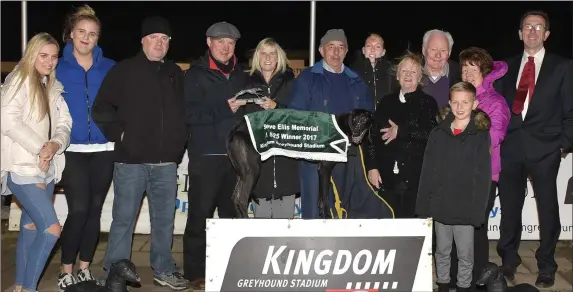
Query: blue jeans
[
  {"x": 33, "y": 248},
  {"x": 160, "y": 185}
]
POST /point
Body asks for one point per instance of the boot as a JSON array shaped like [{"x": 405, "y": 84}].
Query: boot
[
  {"x": 459, "y": 289},
  {"x": 443, "y": 287}
]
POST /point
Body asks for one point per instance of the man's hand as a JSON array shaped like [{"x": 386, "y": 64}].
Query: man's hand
[
  {"x": 374, "y": 178},
  {"x": 268, "y": 103},
  {"x": 235, "y": 104},
  {"x": 48, "y": 150},
  {"x": 389, "y": 133}
]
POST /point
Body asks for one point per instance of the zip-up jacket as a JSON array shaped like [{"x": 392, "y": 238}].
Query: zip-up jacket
[
  {"x": 209, "y": 117},
  {"x": 140, "y": 107},
  {"x": 81, "y": 88},
  {"x": 378, "y": 78}
]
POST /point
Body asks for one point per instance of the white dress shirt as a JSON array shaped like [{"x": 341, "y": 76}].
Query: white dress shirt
[{"x": 538, "y": 59}]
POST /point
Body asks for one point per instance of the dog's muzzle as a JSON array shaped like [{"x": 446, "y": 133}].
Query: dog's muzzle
[{"x": 357, "y": 140}]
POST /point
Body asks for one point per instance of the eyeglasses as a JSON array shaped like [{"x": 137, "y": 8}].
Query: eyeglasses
[{"x": 537, "y": 27}]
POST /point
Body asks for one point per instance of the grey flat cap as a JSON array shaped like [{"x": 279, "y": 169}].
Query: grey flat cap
[
  {"x": 223, "y": 30},
  {"x": 334, "y": 35}
]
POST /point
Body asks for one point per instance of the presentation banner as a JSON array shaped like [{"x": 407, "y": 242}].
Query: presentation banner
[
  {"x": 319, "y": 255},
  {"x": 530, "y": 219}
]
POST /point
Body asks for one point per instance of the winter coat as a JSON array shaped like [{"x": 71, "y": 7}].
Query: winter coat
[
  {"x": 23, "y": 135},
  {"x": 280, "y": 170},
  {"x": 209, "y": 117},
  {"x": 495, "y": 106},
  {"x": 415, "y": 120},
  {"x": 310, "y": 90},
  {"x": 456, "y": 173},
  {"x": 378, "y": 78},
  {"x": 140, "y": 107}
]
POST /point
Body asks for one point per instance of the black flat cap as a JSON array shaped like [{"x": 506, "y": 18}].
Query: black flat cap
[
  {"x": 223, "y": 30},
  {"x": 155, "y": 24}
]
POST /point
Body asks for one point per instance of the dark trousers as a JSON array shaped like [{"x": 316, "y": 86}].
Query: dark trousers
[
  {"x": 402, "y": 198},
  {"x": 512, "y": 184},
  {"x": 87, "y": 179},
  {"x": 481, "y": 244},
  {"x": 211, "y": 183}
]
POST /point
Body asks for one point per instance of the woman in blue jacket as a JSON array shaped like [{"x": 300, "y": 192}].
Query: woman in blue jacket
[{"x": 89, "y": 158}]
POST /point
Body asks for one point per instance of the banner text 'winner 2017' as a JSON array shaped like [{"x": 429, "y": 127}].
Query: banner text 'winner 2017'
[{"x": 297, "y": 134}]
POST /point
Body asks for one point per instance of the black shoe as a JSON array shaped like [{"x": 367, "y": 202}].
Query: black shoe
[
  {"x": 545, "y": 280},
  {"x": 508, "y": 272},
  {"x": 460, "y": 289},
  {"x": 443, "y": 287}
]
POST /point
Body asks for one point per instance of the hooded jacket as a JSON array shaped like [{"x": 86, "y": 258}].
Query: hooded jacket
[
  {"x": 23, "y": 135},
  {"x": 495, "y": 106},
  {"x": 456, "y": 173},
  {"x": 81, "y": 88}
]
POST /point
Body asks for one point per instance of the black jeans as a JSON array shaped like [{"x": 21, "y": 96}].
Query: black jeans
[
  {"x": 86, "y": 181},
  {"x": 211, "y": 183},
  {"x": 481, "y": 245}
]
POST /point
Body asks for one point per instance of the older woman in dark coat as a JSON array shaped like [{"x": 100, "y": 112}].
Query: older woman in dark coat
[
  {"x": 403, "y": 122},
  {"x": 279, "y": 180}
]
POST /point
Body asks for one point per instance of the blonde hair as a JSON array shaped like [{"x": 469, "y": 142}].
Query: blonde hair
[
  {"x": 26, "y": 70},
  {"x": 412, "y": 57},
  {"x": 84, "y": 12},
  {"x": 464, "y": 86},
  {"x": 375, "y": 35},
  {"x": 282, "y": 60}
]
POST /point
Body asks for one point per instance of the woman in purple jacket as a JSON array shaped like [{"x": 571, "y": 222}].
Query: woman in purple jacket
[{"x": 479, "y": 69}]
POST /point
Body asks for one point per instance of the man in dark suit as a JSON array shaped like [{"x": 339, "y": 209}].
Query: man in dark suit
[{"x": 539, "y": 89}]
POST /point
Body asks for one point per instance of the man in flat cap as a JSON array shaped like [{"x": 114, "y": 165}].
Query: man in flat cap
[
  {"x": 329, "y": 86},
  {"x": 140, "y": 107},
  {"x": 210, "y": 85}
]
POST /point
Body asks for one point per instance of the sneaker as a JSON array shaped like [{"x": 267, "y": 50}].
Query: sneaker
[
  {"x": 85, "y": 275},
  {"x": 175, "y": 281},
  {"x": 65, "y": 280}
]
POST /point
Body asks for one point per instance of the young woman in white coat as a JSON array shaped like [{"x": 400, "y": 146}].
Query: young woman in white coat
[{"x": 35, "y": 128}]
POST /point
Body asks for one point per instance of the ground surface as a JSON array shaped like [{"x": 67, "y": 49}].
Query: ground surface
[{"x": 526, "y": 273}]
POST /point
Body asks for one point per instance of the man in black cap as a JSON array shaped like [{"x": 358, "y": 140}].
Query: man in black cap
[
  {"x": 210, "y": 85},
  {"x": 140, "y": 107}
]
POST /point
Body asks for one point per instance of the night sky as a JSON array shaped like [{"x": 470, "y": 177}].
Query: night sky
[{"x": 491, "y": 25}]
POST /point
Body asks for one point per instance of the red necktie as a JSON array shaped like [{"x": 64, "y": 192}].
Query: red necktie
[{"x": 526, "y": 84}]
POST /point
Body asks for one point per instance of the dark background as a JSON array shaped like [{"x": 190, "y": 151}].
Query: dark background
[{"x": 491, "y": 25}]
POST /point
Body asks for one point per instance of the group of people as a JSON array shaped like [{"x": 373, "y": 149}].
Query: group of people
[{"x": 435, "y": 149}]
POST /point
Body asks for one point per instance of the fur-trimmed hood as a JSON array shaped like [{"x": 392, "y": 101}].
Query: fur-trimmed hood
[{"x": 480, "y": 121}]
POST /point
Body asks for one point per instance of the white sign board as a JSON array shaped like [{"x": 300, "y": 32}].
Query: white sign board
[
  {"x": 530, "y": 218},
  {"x": 319, "y": 255}
]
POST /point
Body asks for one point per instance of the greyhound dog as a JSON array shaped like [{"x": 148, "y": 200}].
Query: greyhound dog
[
  {"x": 247, "y": 161},
  {"x": 119, "y": 272},
  {"x": 494, "y": 281}
]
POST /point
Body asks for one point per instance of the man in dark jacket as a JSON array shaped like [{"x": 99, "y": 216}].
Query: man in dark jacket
[
  {"x": 328, "y": 86},
  {"x": 139, "y": 106},
  {"x": 374, "y": 68},
  {"x": 441, "y": 72},
  {"x": 210, "y": 84}
]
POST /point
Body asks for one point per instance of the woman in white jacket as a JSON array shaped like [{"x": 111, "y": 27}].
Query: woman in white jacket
[{"x": 36, "y": 128}]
